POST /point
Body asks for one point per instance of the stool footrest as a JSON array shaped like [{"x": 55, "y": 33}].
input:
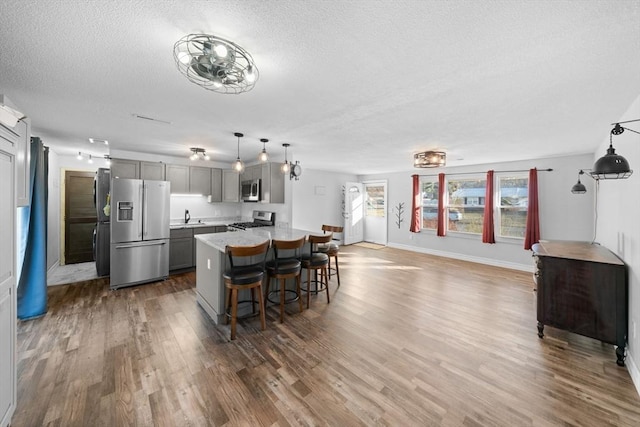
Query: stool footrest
[
  {"x": 296, "y": 297},
  {"x": 246, "y": 316}
]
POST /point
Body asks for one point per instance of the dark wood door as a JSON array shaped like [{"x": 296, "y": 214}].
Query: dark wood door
[{"x": 80, "y": 217}]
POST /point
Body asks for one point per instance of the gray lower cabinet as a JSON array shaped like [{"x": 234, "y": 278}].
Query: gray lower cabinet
[{"x": 181, "y": 249}]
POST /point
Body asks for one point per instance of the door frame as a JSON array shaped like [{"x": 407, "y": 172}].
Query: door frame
[{"x": 63, "y": 208}]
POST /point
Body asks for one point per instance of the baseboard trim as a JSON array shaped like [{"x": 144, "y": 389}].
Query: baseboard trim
[
  {"x": 53, "y": 266},
  {"x": 633, "y": 370},
  {"x": 461, "y": 257}
]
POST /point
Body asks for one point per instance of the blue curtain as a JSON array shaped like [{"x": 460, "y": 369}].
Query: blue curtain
[{"x": 32, "y": 281}]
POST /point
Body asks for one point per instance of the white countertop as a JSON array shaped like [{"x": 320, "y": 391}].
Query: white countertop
[
  {"x": 194, "y": 224},
  {"x": 252, "y": 236}
]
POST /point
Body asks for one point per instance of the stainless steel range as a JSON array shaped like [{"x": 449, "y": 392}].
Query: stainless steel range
[{"x": 260, "y": 219}]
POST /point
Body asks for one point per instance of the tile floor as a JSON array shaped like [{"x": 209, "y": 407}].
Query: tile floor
[{"x": 72, "y": 273}]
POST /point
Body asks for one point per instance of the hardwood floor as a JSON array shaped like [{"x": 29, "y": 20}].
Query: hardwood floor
[{"x": 408, "y": 339}]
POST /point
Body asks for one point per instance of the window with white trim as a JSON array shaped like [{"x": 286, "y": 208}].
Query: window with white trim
[
  {"x": 513, "y": 201},
  {"x": 429, "y": 187}
]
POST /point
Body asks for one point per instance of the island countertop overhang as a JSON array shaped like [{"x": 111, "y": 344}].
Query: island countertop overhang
[{"x": 252, "y": 236}]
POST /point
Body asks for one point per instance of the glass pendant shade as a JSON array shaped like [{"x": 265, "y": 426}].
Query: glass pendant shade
[
  {"x": 286, "y": 166},
  {"x": 238, "y": 165},
  {"x": 263, "y": 156}
]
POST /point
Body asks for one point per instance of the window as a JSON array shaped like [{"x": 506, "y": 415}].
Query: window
[
  {"x": 430, "y": 203},
  {"x": 466, "y": 204},
  {"x": 513, "y": 196},
  {"x": 375, "y": 200}
]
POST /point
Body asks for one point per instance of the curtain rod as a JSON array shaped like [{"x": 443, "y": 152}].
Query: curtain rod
[{"x": 476, "y": 173}]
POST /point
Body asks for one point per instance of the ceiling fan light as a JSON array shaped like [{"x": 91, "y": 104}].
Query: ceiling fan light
[
  {"x": 220, "y": 50},
  {"x": 206, "y": 156}
]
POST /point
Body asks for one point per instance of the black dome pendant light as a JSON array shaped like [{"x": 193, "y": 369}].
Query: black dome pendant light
[{"x": 612, "y": 165}]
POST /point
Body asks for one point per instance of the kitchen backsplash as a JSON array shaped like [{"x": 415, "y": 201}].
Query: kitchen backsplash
[{"x": 199, "y": 208}]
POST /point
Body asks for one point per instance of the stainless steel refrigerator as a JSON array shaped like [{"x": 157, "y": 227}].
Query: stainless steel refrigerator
[
  {"x": 139, "y": 231},
  {"x": 101, "y": 234}
]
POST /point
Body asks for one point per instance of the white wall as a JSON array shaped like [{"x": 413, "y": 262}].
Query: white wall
[
  {"x": 618, "y": 229},
  {"x": 563, "y": 215},
  {"x": 317, "y": 199},
  {"x": 53, "y": 212}
]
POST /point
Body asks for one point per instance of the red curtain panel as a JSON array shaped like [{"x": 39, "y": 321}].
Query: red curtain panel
[
  {"x": 488, "y": 235},
  {"x": 415, "y": 205},
  {"x": 532, "y": 232},
  {"x": 442, "y": 230}
]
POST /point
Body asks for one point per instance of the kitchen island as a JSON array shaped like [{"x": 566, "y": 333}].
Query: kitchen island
[{"x": 210, "y": 261}]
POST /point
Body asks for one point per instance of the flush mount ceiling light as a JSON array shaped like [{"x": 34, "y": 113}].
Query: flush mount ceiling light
[
  {"x": 238, "y": 166},
  {"x": 429, "y": 159},
  {"x": 612, "y": 165},
  {"x": 286, "y": 166},
  {"x": 263, "y": 156},
  {"x": 215, "y": 63},
  {"x": 198, "y": 153}
]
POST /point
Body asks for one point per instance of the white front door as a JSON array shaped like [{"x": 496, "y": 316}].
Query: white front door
[
  {"x": 354, "y": 213},
  {"x": 375, "y": 212}
]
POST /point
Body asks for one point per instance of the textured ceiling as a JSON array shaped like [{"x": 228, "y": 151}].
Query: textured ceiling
[{"x": 357, "y": 86}]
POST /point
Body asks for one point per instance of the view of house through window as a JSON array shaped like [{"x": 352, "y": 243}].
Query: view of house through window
[
  {"x": 466, "y": 204},
  {"x": 375, "y": 200},
  {"x": 430, "y": 204},
  {"x": 512, "y": 205}
]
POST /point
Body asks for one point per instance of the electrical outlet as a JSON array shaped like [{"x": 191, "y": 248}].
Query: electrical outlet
[{"x": 208, "y": 264}]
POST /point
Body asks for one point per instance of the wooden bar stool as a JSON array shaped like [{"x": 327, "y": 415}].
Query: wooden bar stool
[
  {"x": 286, "y": 264},
  {"x": 246, "y": 271},
  {"x": 332, "y": 248},
  {"x": 315, "y": 260}
]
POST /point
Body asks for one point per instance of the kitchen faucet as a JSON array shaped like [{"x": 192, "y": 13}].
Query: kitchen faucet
[{"x": 187, "y": 217}]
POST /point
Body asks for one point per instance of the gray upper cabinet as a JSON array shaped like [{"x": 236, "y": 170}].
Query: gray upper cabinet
[
  {"x": 200, "y": 180},
  {"x": 230, "y": 186},
  {"x": 153, "y": 171},
  {"x": 122, "y": 168},
  {"x": 216, "y": 185},
  {"x": 276, "y": 180},
  {"x": 178, "y": 175}
]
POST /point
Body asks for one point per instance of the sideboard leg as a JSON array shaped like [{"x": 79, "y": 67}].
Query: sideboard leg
[
  {"x": 540, "y": 329},
  {"x": 620, "y": 355}
]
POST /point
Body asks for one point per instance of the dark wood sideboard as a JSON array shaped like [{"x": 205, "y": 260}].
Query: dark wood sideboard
[{"x": 582, "y": 288}]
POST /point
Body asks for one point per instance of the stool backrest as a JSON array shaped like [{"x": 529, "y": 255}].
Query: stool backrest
[
  {"x": 236, "y": 252},
  {"x": 288, "y": 248},
  {"x": 333, "y": 229},
  {"x": 315, "y": 240}
]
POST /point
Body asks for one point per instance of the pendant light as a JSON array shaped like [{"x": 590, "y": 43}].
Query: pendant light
[
  {"x": 578, "y": 187},
  {"x": 286, "y": 167},
  {"x": 238, "y": 165},
  {"x": 263, "y": 156},
  {"x": 612, "y": 165}
]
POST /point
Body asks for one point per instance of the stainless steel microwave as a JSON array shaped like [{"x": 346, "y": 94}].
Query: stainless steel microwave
[{"x": 250, "y": 190}]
